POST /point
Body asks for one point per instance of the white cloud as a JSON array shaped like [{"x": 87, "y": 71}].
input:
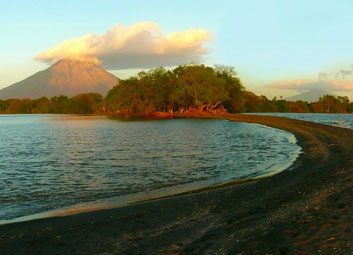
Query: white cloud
[
  {"x": 302, "y": 85},
  {"x": 140, "y": 45}
]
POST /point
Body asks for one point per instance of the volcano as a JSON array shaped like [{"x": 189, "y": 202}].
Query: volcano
[
  {"x": 65, "y": 77},
  {"x": 310, "y": 96}
]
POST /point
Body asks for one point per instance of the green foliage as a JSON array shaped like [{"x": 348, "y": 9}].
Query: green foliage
[
  {"x": 329, "y": 103},
  {"x": 80, "y": 104},
  {"x": 326, "y": 104},
  {"x": 186, "y": 87}
]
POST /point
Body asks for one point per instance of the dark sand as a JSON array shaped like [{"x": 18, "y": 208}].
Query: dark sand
[{"x": 307, "y": 210}]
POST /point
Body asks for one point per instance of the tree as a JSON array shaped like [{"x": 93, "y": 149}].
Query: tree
[{"x": 187, "y": 87}]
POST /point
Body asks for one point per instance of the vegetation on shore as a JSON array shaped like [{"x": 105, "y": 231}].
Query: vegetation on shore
[
  {"x": 187, "y": 88},
  {"x": 80, "y": 104}
]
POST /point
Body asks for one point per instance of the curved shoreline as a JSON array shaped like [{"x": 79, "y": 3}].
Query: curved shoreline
[
  {"x": 164, "y": 192},
  {"x": 299, "y": 211}
]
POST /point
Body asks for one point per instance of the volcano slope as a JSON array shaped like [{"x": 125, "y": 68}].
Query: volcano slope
[{"x": 65, "y": 77}]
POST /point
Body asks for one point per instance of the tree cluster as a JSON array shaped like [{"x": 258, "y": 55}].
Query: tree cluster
[
  {"x": 326, "y": 104},
  {"x": 80, "y": 104},
  {"x": 185, "y": 88}
]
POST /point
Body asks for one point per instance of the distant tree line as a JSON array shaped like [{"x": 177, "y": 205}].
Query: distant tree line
[
  {"x": 326, "y": 104},
  {"x": 186, "y": 88},
  {"x": 80, "y": 104}
]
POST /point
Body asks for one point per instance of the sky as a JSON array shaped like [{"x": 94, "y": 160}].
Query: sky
[{"x": 277, "y": 47}]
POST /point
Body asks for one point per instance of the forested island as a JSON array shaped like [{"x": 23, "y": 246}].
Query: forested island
[{"x": 182, "y": 90}]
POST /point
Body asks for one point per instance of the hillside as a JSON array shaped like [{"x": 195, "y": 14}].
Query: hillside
[
  {"x": 65, "y": 77},
  {"x": 309, "y": 96}
]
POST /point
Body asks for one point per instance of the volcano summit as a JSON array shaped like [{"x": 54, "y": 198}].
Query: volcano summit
[{"x": 65, "y": 77}]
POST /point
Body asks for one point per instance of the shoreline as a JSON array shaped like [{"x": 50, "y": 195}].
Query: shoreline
[
  {"x": 156, "y": 194},
  {"x": 142, "y": 197},
  {"x": 251, "y": 217}
]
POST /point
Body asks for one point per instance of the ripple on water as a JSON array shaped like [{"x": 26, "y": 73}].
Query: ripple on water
[{"x": 51, "y": 161}]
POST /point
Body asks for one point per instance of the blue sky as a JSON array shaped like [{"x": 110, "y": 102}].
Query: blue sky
[{"x": 266, "y": 41}]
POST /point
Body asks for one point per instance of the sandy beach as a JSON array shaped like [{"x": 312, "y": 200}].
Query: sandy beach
[{"x": 304, "y": 210}]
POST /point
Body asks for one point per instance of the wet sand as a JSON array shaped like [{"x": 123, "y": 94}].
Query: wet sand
[{"x": 305, "y": 210}]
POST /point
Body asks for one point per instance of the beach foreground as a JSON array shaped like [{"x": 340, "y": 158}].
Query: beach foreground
[{"x": 305, "y": 210}]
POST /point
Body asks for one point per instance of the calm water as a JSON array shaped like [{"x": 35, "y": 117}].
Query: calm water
[
  {"x": 54, "y": 161},
  {"x": 333, "y": 119}
]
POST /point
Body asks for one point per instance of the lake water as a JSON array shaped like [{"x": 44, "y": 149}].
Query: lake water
[
  {"x": 333, "y": 119},
  {"x": 58, "y": 161}
]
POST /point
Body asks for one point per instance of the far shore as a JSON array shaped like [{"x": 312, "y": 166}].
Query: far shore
[{"x": 304, "y": 210}]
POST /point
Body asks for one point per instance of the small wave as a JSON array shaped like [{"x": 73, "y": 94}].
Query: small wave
[{"x": 80, "y": 164}]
